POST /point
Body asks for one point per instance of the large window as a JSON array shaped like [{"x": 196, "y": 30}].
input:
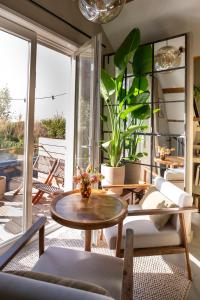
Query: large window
[{"x": 166, "y": 126}]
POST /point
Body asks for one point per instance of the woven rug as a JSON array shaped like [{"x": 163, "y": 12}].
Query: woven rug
[{"x": 154, "y": 278}]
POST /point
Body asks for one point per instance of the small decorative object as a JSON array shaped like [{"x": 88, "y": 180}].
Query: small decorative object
[
  {"x": 164, "y": 152},
  {"x": 168, "y": 57},
  {"x": 101, "y": 11},
  {"x": 85, "y": 179}
]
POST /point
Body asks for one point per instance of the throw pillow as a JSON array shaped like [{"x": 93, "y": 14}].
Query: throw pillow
[
  {"x": 64, "y": 281},
  {"x": 154, "y": 199}
]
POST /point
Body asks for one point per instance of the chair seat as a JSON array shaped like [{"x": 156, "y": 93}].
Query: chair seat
[
  {"x": 146, "y": 235},
  {"x": 46, "y": 188},
  {"x": 103, "y": 270}
]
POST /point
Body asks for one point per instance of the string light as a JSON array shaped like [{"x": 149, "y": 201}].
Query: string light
[{"x": 52, "y": 97}]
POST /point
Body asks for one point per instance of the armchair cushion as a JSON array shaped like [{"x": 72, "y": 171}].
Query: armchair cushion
[
  {"x": 101, "y": 270},
  {"x": 146, "y": 235},
  {"x": 64, "y": 281},
  {"x": 155, "y": 199},
  {"x": 14, "y": 287}
]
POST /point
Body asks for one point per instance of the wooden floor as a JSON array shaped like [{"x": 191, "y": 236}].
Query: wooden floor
[{"x": 11, "y": 210}]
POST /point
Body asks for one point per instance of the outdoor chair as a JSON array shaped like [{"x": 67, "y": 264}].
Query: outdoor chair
[
  {"x": 56, "y": 175},
  {"x": 44, "y": 167},
  {"x": 90, "y": 274}
]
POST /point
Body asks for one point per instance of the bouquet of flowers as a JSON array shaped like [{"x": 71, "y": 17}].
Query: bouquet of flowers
[
  {"x": 86, "y": 178},
  {"x": 164, "y": 151}
]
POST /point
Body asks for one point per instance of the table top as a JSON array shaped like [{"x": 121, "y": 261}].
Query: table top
[
  {"x": 174, "y": 161},
  {"x": 101, "y": 210}
]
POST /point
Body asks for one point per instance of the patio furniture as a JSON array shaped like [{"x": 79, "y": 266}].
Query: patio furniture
[
  {"x": 172, "y": 238},
  {"x": 57, "y": 175},
  {"x": 99, "y": 211},
  {"x": 43, "y": 166},
  {"x": 100, "y": 272}
]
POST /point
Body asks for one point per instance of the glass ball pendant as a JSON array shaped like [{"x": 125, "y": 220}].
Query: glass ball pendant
[
  {"x": 101, "y": 11},
  {"x": 168, "y": 57}
]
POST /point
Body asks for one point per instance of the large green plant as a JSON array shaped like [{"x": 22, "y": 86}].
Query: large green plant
[
  {"x": 141, "y": 65},
  {"x": 121, "y": 103}
]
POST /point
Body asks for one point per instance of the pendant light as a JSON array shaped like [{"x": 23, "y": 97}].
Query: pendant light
[{"x": 101, "y": 11}]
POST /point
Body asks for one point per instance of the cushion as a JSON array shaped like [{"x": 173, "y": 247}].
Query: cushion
[
  {"x": 64, "y": 281},
  {"x": 102, "y": 270},
  {"x": 145, "y": 233},
  {"x": 154, "y": 199}
]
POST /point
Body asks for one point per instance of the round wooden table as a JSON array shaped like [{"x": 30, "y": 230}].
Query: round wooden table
[{"x": 99, "y": 211}]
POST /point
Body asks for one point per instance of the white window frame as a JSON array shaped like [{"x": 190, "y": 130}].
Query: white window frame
[{"x": 16, "y": 24}]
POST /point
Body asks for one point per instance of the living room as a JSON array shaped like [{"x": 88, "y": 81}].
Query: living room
[{"x": 105, "y": 105}]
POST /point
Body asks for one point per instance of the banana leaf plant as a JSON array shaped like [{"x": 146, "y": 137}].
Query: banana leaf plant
[
  {"x": 139, "y": 93},
  {"x": 123, "y": 104}
]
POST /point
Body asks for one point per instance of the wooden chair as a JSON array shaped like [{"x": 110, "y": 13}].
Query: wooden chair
[
  {"x": 160, "y": 240},
  {"x": 44, "y": 166},
  {"x": 113, "y": 274},
  {"x": 58, "y": 175}
]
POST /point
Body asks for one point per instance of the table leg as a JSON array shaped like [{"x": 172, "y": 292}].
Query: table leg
[
  {"x": 88, "y": 238},
  {"x": 119, "y": 239}
]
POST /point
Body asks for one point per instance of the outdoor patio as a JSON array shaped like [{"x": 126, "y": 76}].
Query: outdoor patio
[{"x": 11, "y": 210}]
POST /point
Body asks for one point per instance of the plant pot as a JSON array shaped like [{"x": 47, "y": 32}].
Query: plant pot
[
  {"x": 113, "y": 175},
  {"x": 2, "y": 186},
  {"x": 132, "y": 172}
]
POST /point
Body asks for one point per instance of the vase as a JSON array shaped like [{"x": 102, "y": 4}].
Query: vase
[
  {"x": 162, "y": 156},
  {"x": 85, "y": 190}
]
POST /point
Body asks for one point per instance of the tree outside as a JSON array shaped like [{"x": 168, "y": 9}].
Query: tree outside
[{"x": 5, "y": 103}]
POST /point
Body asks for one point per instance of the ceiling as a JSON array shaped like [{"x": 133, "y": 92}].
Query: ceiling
[{"x": 155, "y": 18}]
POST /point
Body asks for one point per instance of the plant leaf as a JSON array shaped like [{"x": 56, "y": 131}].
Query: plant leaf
[
  {"x": 107, "y": 85},
  {"x": 128, "y": 110},
  {"x": 142, "y": 60},
  {"x": 127, "y": 48}
]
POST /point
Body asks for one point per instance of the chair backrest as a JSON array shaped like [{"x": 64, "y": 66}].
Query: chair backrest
[
  {"x": 44, "y": 164},
  {"x": 59, "y": 171},
  {"x": 178, "y": 196}
]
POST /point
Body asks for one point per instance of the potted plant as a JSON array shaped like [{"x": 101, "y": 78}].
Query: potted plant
[
  {"x": 115, "y": 98},
  {"x": 141, "y": 65},
  {"x": 2, "y": 186}
]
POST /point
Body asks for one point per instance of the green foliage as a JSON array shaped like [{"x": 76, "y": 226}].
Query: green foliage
[
  {"x": 55, "y": 127},
  {"x": 5, "y": 100},
  {"x": 131, "y": 105},
  {"x": 12, "y": 133}
]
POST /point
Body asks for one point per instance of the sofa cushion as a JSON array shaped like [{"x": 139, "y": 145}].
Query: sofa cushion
[
  {"x": 64, "y": 281},
  {"x": 145, "y": 233},
  {"x": 14, "y": 287},
  {"x": 102, "y": 270},
  {"x": 154, "y": 199}
]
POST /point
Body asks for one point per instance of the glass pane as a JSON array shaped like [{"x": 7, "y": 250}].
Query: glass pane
[
  {"x": 169, "y": 97},
  {"x": 168, "y": 153},
  {"x": 52, "y": 108},
  {"x": 169, "y": 54},
  {"x": 14, "y": 62}
]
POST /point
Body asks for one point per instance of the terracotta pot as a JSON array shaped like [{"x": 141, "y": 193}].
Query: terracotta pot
[
  {"x": 113, "y": 175},
  {"x": 132, "y": 172},
  {"x": 2, "y": 186}
]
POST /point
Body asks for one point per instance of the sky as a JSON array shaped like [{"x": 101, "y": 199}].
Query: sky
[{"x": 52, "y": 77}]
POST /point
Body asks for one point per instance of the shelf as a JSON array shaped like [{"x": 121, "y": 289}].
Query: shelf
[
  {"x": 196, "y": 159},
  {"x": 196, "y": 189},
  {"x": 196, "y": 146},
  {"x": 195, "y": 119},
  {"x": 197, "y": 128}
]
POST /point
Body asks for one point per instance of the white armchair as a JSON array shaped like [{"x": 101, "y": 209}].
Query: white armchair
[{"x": 148, "y": 240}]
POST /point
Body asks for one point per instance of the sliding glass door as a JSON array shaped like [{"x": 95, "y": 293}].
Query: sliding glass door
[
  {"x": 87, "y": 120},
  {"x": 17, "y": 85}
]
